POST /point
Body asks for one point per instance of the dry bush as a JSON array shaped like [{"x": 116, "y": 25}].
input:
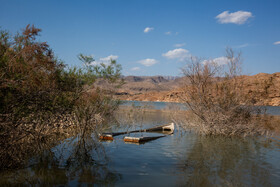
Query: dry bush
[{"x": 213, "y": 94}]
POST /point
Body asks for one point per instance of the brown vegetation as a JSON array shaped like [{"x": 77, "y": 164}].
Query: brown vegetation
[{"x": 42, "y": 101}]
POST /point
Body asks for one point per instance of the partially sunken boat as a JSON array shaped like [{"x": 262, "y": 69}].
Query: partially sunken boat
[
  {"x": 163, "y": 128},
  {"x": 141, "y": 139}
]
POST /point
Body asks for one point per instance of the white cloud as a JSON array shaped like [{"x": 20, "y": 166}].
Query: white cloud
[
  {"x": 180, "y": 45},
  {"x": 276, "y": 43},
  {"x": 221, "y": 60},
  {"x": 168, "y": 33},
  {"x": 180, "y": 54},
  {"x": 109, "y": 58},
  {"x": 135, "y": 69},
  {"x": 218, "y": 61},
  {"x": 148, "y": 62},
  {"x": 148, "y": 29},
  {"x": 239, "y": 17},
  {"x": 105, "y": 60}
]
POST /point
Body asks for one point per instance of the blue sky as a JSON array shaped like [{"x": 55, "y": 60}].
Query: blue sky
[{"x": 153, "y": 37}]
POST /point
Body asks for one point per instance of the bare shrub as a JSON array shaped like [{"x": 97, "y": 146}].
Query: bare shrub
[{"x": 213, "y": 94}]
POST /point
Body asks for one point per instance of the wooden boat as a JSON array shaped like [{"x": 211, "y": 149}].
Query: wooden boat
[
  {"x": 140, "y": 139},
  {"x": 109, "y": 136}
]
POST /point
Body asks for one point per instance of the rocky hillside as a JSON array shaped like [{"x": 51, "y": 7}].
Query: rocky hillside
[
  {"x": 146, "y": 84},
  {"x": 264, "y": 88}
]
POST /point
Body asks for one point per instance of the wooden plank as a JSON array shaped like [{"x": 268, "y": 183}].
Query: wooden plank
[{"x": 131, "y": 139}]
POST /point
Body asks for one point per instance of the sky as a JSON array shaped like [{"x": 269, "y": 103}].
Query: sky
[{"x": 153, "y": 37}]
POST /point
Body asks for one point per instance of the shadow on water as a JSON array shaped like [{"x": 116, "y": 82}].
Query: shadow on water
[
  {"x": 76, "y": 161},
  {"x": 220, "y": 161}
]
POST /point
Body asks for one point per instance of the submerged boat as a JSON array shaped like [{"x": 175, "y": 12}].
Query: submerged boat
[
  {"x": 162, "y": 128},
  {"x": 141, "y": 139}
]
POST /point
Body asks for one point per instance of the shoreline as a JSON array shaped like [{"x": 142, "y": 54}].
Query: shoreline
[
  {"x": 269, "y": 110},
  {"x": 177, "y": 102}
]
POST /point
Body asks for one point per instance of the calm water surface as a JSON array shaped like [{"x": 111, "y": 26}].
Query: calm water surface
[
  {"x": 181, "y": 159},
  {"x": 271, "y": 110}
]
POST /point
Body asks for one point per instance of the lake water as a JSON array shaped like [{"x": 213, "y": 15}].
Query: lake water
[
  {"x": 271, "y": 110},
  {"x": 181, "y": 159}
]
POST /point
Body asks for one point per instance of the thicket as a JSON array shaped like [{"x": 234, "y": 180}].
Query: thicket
[
  {"x": 41, "y": 98},
  {"x": 213, "y": 93}
]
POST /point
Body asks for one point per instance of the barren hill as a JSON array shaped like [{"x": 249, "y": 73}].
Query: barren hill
[
  {"x": 264, "y": 87},
  {"x": 145, "y": 84}
]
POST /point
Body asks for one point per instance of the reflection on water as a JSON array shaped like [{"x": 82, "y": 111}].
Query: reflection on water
[
  {"x": 77, "y": 160},
  {"x": 181, "y": 159},
  {"x": 228, "y": 162}
]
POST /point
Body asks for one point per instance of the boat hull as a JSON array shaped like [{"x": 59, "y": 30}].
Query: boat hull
[{"x": 140, "y": 139}]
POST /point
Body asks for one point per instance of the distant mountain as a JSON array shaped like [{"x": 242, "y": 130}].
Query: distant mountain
[
  {"x": 264, "y": 87},
  {"x": 171, "y": 77},
  {"x": 141, "y": 84},
  {"x": 155, "y": 79},
  {"x": 133, "y": 79}
]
